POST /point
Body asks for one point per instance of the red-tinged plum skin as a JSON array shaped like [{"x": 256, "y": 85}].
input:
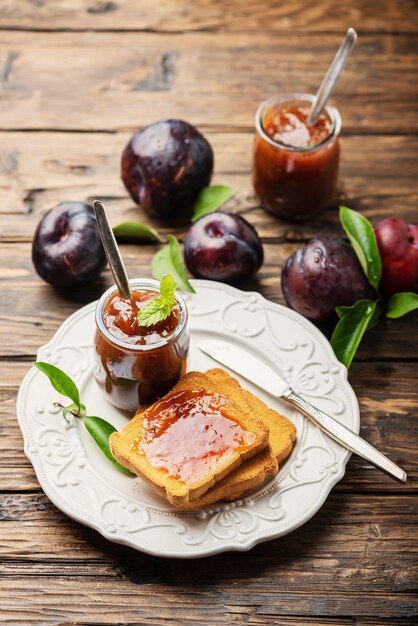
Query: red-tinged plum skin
[
  {"x": 67, "y": 249},
  {"x": 322, "y": 275},
  {"x": 398, "y": 247},
  {"x": 165, "y": 165},
  {"x": 223, "y": 246}
]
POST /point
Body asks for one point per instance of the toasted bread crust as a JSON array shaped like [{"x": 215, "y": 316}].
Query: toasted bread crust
[{"x": 176, "y": 491}]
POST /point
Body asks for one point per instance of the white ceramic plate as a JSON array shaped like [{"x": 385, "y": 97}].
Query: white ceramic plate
[{"x": 81, "y": 482}]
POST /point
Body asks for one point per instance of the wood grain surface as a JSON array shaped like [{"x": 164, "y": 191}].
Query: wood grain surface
[{"x": 76, "y": 78}]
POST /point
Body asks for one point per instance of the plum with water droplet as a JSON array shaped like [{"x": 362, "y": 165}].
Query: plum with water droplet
[
  {"x": 67, "y": 249},
  {"x": 322, "y": 275},
  {"x": 165, "y": 165}
]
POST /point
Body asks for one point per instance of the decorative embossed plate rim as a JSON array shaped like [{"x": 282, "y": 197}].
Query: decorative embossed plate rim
[{"x": 113, "y": 506}]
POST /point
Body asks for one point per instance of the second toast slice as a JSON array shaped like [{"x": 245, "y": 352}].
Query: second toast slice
[{"x": 190, "y": 439}]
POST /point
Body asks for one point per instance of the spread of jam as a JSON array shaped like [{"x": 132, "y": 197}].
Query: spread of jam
[
  {"x": 295, "y": 176},
  {"x": 289, "y": 126},
  {"x": 188, "y": 434},
  {"x": 120, "y": 318},
  {"x": 140, "y": 364}
]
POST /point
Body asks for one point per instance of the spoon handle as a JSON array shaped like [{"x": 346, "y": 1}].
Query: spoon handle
[
  {"x": 111, "y": 250},
  {"x": 330, "y": 79}
]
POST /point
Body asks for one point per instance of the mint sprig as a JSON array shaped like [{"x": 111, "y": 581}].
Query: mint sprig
[{"x": 160, "y": 307}]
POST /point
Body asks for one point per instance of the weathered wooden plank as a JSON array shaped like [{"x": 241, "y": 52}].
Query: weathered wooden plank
[
  {"x": 182, "y": 15},
  {"x": 71, "y": 166},
  {"x": 90, "y": 81},
  {"x": 388, "y": 397},
  {"x": 361, "y": 548},
  {"x": 88, "y": 601},
  {"x": 23, "y": 329}
]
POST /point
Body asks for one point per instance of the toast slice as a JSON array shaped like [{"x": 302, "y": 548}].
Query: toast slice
[
  {"x": 255, "y": 471},
  {"x": 178, "y": 457}
]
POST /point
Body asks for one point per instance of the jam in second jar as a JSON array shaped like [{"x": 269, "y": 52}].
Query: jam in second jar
[
  {"x": 189, "y": 433},
  {"x": 136, "y": 364},
  {"x": 295, "y": 166}
]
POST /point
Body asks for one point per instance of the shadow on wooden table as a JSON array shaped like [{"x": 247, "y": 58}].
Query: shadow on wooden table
[{"x": 290, "y": 552}]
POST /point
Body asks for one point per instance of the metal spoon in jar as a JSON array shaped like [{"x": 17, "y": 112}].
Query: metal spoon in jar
[
  {"x": 111, "y": 250},
  {"x": 330, "y": 79}
]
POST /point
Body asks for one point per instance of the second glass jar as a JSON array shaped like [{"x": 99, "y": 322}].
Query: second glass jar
[{"x": 294, "y": 182}]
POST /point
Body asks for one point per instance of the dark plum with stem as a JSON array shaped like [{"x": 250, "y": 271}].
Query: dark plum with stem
[
  {"x": 165, "y": 165},
  {"x": 322, "y": 275},
  {"x": 67, "y": 249},
  {"x": 223, "y": 246}
]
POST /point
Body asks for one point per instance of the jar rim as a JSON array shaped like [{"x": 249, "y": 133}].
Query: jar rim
[
  {"x": 136, "y": 283},
  {"x": 332, "y": 112}
]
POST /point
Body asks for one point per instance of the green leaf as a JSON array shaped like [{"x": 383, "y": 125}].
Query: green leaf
[
  {"x": 160, "y": 307},
  {"x": 101, "y": 430},
  {"x": 210, "y": 199},
  {"x": 137, "y": 231},
  {"x": 375, "y": 318},
  {"x": 60, "y": 381},
  {"x": 74, "y": 410},
  {"x": 169, "y": 260},
  {"x": 349, "y": 331},
  {"x": 167, "y": 288},
  {"x": 342, "y": 310},
  {"x": 402, "y": 303},
  {"x": 363, "y": 239},
  {"x": 153, "y": 313}
]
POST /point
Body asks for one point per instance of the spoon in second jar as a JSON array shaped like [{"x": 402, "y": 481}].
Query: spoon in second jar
[
  {"x": 330, "y": 79},
  {"x": 111, "y": 250}
]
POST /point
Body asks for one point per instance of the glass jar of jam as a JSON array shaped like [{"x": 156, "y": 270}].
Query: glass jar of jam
[
  {"x": 135, "y": 365},
  {"x": 295, "y": 165}
]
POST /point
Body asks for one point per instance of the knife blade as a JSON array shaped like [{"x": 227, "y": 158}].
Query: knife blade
[{"x": 253, "y": 369}]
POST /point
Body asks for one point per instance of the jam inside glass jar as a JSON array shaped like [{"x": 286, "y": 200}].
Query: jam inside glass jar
[
  {"x": 135, "y": 365},
  {"x": 295, "y": 165}
]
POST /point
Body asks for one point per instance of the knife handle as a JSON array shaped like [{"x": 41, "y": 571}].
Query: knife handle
[{"x": 346, "y": 437}]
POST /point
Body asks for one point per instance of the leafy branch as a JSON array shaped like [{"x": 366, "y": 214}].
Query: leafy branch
[
  {"x": 365, "y": 314},
  {"x": 98, "y": 428}
]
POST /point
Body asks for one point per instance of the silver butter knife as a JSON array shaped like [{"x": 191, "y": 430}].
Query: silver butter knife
[{"x": 254, "y": 370}]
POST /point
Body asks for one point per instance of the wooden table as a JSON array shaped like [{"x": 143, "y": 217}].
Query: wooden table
[{"x": 76, "y": 78}]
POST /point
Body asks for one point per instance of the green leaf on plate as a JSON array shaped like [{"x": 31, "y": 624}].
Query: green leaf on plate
[
  {"x": 101, "y": 430},
  {"x": 60, "y": 381},
  {"x": 362, "y": 238},
  {"x": 210, "y": 199},
  {"x": 73, "y": 409},
  {"x": 402, "y": 303},
  {"x": 169, "y": 260},
  {"x": 137, "y": 231},
  {"x": 159, "y": 308},
  {"x": 349, "y": 331}
]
